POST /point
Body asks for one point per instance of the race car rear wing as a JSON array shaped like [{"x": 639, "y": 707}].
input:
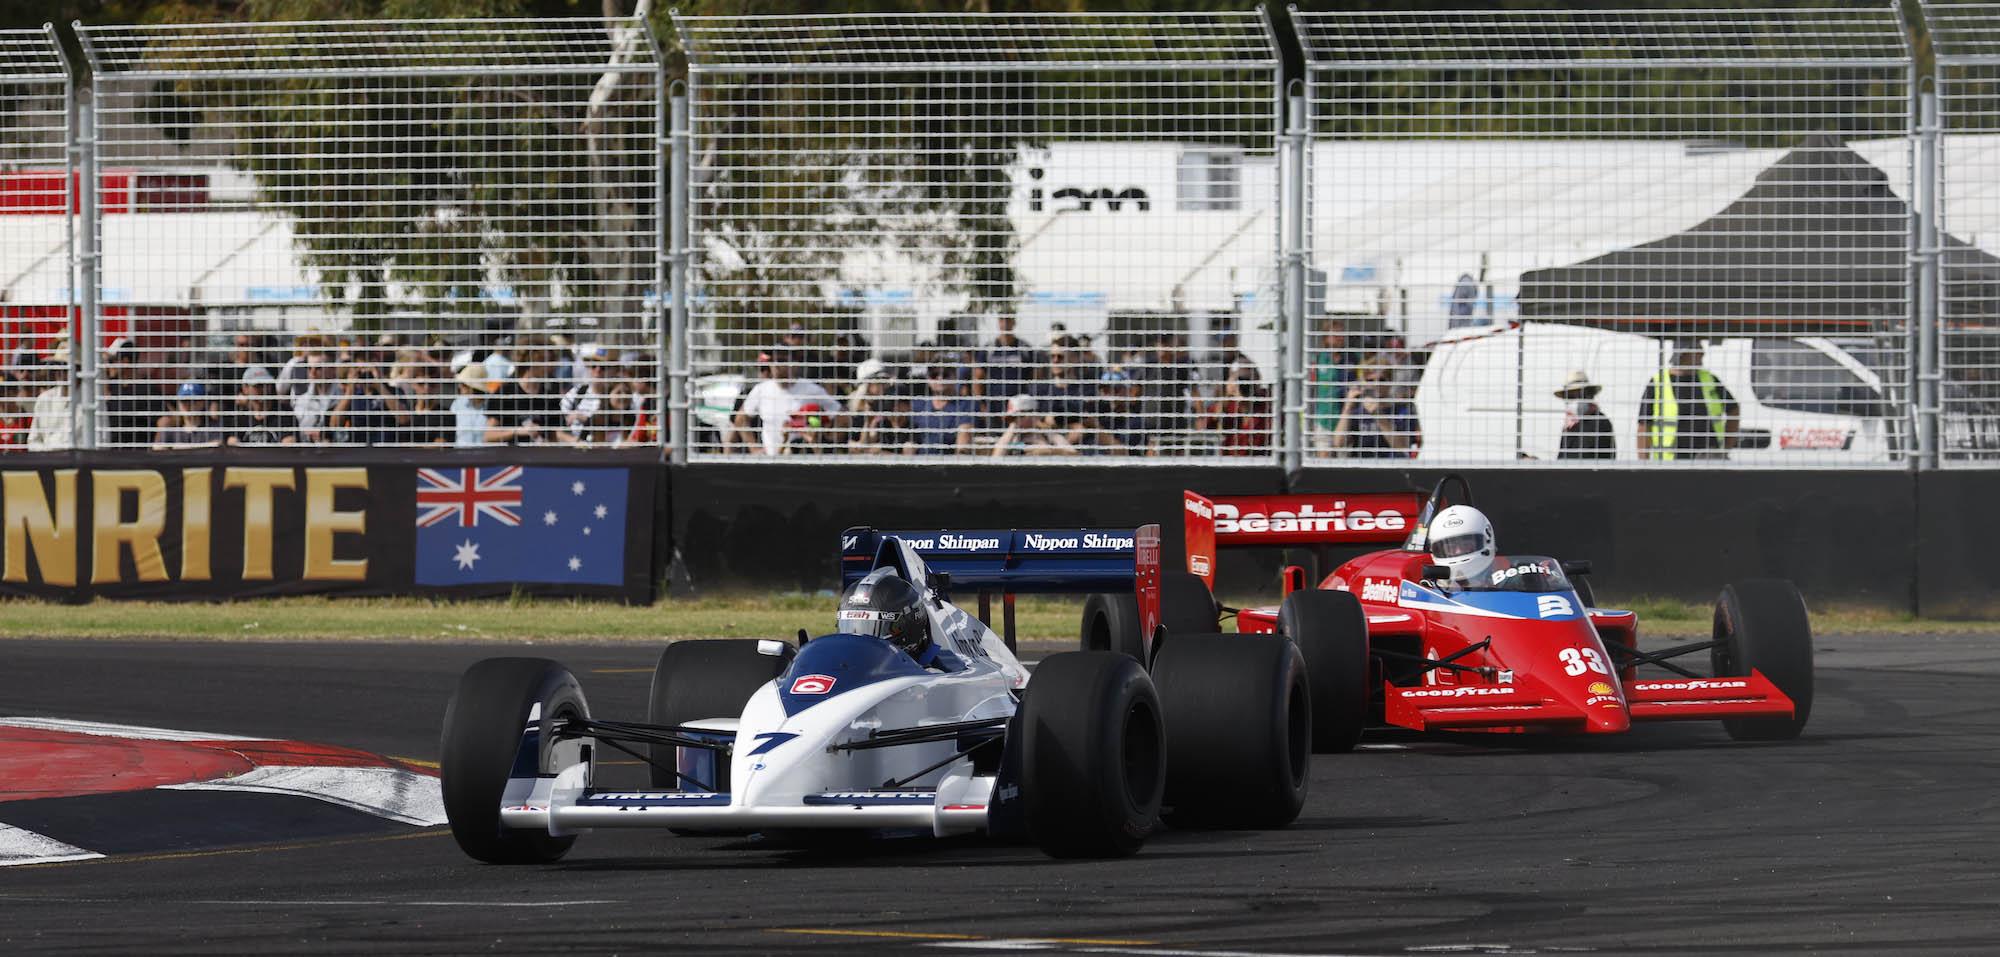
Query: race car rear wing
[
  {"x": 1010, "y": 562},
  {"x": 1364, "y": 519}
]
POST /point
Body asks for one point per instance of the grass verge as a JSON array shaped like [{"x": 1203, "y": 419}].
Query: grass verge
[{"x": 527, "y": 619}]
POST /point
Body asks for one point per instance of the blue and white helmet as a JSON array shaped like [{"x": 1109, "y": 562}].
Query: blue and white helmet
[
  {"x": 886, "y": 606},
  {"x": 1462, "y": 540}
]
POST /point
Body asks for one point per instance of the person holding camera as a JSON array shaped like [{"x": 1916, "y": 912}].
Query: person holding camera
[
  {"x": 367, "y": 407},
  {"x": 1376, "y": 422}
]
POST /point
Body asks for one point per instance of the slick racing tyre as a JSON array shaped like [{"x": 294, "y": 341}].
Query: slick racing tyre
[
  {"x": 1332, "y": 633},
  {"x": 1761, "y": 625},
  {"x": 711, "y": 678},
  {"x": 1111, "y": 623},
  {"x": 1187, "y": 607},
  {"x": 1092, "y": 756},
  {"x": 484, "y": 732},
  {"x": 1239, "y": 729}
]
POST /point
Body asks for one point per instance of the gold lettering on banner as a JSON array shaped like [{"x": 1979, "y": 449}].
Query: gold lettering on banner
[
  {"x": 257, "y": 485},
  {"x": 30, "y": 520},
  {"x": 110, "y": 534},
  {"x": 322, "y": 522},
  {"x": 196, "y": 521}
]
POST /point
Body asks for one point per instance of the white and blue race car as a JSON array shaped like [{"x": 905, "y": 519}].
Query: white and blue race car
[{"x": 847, "y": 732}]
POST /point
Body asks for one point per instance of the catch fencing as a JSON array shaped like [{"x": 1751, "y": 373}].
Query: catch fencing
[
  {"x": 1704, "y": 237},
  {"x": 873, "y": 197}
]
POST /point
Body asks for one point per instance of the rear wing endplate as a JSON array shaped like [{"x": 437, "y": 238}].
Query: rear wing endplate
[{"x": 1362, "y": 519}]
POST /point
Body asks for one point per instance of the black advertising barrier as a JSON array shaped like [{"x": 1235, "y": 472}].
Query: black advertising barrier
[
  {"x": 763, "y": 526},
  {"x": 1956, "y": 530},
  {"x": 229, "y": 523},
  {"x": 1844, "y": 537}
]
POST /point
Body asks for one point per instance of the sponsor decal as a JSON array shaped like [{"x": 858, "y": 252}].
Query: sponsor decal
[
  {"x": 1037, "y": 541},
  {"x": 1543, "y": 568},
  {"x": 1198, "y": 564},
  {"x": 1810, "y": 438},
  {"x": 864, "y": 614},
  {"x": 877, "y": 795},
  {"x": 859, "y": 596},
  {"x": 609, "y": 796},
  {"x": 1308, "y": 518},
  {"x": 1507, "y": 676},
  {"x": 1008, "y": 793},
  {"x": 1198, "y": 507},
  {"x": 1599, "y": 687},
  {"x": 1601, "y": 695},
  {"x": 1462, "y": 691},
  {"x": 1692, "y": 684},
  {"x": 812, "y": 684},
  {"x": 1379, "y": 589},
  {"x": 847, "y": 542}
]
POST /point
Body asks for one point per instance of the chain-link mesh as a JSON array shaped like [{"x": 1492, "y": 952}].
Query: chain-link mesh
[
  {"x": 34, "y": 242},
  {"x": 1638, "y": 235},
  {"x": 354, "y": 232},
  {"x": 1965, "y": 38},
  {"x": 983, "y": 235}
]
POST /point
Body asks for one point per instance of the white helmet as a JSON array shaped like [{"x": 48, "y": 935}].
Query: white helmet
[{"x": 1462, "y": 540}]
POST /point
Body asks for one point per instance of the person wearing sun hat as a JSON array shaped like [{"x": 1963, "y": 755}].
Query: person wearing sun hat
[
  {"x": 49, "y": 425},
  {"x": 473, "y": 426},
  {"x": 1586, "y": 429}
]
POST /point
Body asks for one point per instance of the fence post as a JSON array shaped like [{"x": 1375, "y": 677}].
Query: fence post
[
  {"x": 87, "y": 259},
  {"x": 677, "y": 263},
  {"x": 1293, "y": 215},
  {"x": 1925, "y": 258}
]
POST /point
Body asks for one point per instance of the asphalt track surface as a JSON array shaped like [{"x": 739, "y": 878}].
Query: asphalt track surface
[{"x": 1874, "y": 833}]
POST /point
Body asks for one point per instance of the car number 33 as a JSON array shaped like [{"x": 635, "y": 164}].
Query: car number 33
[{"x": 1576, "y": 661}]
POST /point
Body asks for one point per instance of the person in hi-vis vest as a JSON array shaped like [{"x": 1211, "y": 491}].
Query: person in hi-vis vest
[{"x": 1686, "y": 413}]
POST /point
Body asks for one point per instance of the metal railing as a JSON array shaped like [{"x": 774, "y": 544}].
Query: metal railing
[{"x": 1753, "y": 238}]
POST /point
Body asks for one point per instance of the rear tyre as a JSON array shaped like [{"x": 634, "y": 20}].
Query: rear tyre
[
  {"x": 1332, "y": 634},
  {"x": 1111, "y": 623},
  {"x": 484, "y": 736},
  {"x": 1093, "y": 760},
  {"x": 1187, "y": 607},
  {"x": 712, "y": 678},
  {"x": 1239, "y": 729},
  {"x": 1761, "y": 625}
]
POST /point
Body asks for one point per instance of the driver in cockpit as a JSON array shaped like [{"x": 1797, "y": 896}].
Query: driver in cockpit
[
  {"x": 1461, "y": 540},
  {"x": 887, "y": 607}
]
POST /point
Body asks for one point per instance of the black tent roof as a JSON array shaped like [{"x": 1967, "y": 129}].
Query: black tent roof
[{"x": 1818, "y": 244}]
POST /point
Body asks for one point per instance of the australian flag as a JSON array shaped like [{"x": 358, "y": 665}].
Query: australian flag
[{"x": 520, "y": 524}]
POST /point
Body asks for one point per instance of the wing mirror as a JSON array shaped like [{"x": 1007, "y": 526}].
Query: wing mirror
[
  {"x": 1576, "y": 567},
  {"x": 1436, "y": 573},
  {"x": 940, "y": 584}
]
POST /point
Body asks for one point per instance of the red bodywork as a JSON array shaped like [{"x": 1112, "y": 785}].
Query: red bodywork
[{"x": 1532, "y": 675}]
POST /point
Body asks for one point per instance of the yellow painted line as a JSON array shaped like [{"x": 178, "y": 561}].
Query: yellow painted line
[
  {"x": 906, "y": 935},
  {"x": 419, "y": 762},
  {"x": 231, "y": 851}
]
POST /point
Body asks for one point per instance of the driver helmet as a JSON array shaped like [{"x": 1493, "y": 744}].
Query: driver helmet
[
  {"x": 1462, "y": 540},
  {"x": 886, "y": 606}
]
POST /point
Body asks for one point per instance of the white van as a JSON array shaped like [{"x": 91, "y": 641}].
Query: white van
[{"x": 1488, "y": 398}]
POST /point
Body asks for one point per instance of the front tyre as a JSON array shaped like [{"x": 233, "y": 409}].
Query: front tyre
[
  {"x": 1761, "y": 625},
  {"x": 1093, "y": 760},
  {"x": 486, "y": 730},
  {"x": 711, "y": 678},
  {"x": 1239, "y": 729},
  {"x": 1332, "y": 633}
]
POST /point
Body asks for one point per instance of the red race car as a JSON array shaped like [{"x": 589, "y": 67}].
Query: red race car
[{"x": 1444, "y": 633}]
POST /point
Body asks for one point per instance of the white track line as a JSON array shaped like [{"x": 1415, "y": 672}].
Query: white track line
[
  {"x": 19, "y": 846},
  {"x": 392, "y": 793},
  {"x": 120, "y": 730}
]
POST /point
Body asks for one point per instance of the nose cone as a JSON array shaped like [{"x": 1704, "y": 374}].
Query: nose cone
[{"x": 1604, "y": 710}]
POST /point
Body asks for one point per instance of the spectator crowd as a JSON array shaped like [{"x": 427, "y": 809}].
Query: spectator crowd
[
  {"x": 326, "y": 389},
  {"x": 1150, "y": 394}
]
